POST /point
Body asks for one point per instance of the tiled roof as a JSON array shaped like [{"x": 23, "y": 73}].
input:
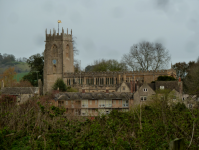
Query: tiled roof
[
  {"x": 19, "y": 90},
  {"x": 167, "y": 85},
  {"x": 93, "y": 95}
]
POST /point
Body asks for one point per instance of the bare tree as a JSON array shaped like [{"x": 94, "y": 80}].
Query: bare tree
[
  {"x": 147, "y": 56},
  {"x": 75, "y": 50}
]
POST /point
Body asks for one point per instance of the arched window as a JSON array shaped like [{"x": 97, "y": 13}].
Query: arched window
[
  {"x": 67, "y": 51},
  {"x": 54, "y": 50},
  {"x": 54, "y": 69}
]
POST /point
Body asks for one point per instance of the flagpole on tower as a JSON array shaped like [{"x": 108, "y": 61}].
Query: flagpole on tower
[{"x": 59, "y": 21}]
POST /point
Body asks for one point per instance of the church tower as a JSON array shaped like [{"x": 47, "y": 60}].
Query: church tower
[{"x": 58, "y": 57}]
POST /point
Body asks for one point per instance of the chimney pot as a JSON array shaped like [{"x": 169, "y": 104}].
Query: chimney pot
[{"x": 2, "y": 84}]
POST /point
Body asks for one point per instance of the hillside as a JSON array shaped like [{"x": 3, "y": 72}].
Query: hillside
[
  {"x": 20, "y": 67},
  {"x": 19, "y": 76}
]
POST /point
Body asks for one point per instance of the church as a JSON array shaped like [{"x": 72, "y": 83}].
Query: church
[{"x": 58, "y": 63}]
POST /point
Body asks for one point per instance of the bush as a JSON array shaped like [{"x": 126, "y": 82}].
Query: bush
[
  {"x": 60, "y": 84},
  {"x": 39, "y": 125},
  {"x": 166, "y": 78}
]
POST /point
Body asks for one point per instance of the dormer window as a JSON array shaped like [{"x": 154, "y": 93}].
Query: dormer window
[
  {"x": 161, "y": 87},
  {"x": 145, "y": 89}
]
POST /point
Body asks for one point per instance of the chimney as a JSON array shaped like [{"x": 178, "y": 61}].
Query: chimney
[
  {"x": 138, "y": 85},
  {"x": 180, "y": 85},
  {"x": 2, "y": 84},
  {"x": 131, "y": 87}
]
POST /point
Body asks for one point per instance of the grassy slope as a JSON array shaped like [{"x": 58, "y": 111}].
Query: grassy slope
[
  {"x": 23, "y": 67},
  {"x": 19, "y": 76}
]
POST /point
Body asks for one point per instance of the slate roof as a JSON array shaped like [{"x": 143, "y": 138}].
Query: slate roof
[
  {"x": 129, "y": 85},
  {"x": 19, "y": 90},
  {"x": 167, "y": 85},
  {"x": 93, "y": 95}
]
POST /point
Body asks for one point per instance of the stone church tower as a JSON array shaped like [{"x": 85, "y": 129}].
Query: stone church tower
[{"x": 58, "y": 57}]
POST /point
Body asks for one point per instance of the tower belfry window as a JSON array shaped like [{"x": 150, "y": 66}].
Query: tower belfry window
[
  {"x": 67, "y": 51},
  {"x": 54, "y": 68},
  {"x": 54, "y": 50}
]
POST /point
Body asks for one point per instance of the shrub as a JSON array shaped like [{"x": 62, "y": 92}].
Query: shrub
[
  {"x": 166, "y": 78},
  {"x": 60, "y": 84}
]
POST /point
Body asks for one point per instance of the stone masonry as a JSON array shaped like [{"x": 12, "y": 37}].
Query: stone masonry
[{"x": 58, "y": 63}]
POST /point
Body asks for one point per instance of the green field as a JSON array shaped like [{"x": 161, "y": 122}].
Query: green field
[
  {"x": 19, "y": 67},
  {"x": 19, "y": 76}
]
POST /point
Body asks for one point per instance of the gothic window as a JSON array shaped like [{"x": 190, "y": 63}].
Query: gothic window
[
  {"x": 54, "y": 68},
  {"x": 67, "y": 51},
  {"x": 54, "y": 50}
]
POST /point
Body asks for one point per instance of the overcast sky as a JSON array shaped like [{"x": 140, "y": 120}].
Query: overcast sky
[{"x": 103, "y": 28}]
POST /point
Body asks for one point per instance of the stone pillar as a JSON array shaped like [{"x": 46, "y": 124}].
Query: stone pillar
[
  {"x": 2, "y": 84},
  {"x": 114, "y": 80},
  {"x": 94, "y": 80},
  {"x": 124, "y": 77},
  {"x": 119, "y": 79},
  {"x": 40, "y": 87},
  {"x": 84, "y": 83},
  {"x": 104, "y": 80}
]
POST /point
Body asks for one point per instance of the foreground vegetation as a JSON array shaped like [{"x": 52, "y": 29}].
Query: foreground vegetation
[{"x": 37, "y": 125}]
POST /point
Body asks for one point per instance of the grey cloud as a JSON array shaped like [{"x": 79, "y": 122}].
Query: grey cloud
[
  {"x": 48, "y": 6},
  {"x": 88, "y": 45},
  {"x": 39, "y": 40},
  {"x": 161, "y": 40},
  {"x": 88, "y": 3},
  {"x": 13, "y": 18},
  {"x": 117, "y": 12},
  {"x": 162, "y": 3},
  {"x": 75, "y": 17}
]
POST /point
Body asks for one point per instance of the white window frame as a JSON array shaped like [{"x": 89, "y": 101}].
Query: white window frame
[
  {"x": 95, "y": 102},
  {"x": 125, "y": 103},
  {"x": 90, "y": 102},
  {"x": 143, "y": 98},
  {"x": 162, "y": 87},
  {"x": 66, "y": 102},
  {"x": 145, "y": 90}
]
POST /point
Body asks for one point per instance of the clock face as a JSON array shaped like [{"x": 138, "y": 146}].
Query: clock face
[{"x": 54, "y": 61}]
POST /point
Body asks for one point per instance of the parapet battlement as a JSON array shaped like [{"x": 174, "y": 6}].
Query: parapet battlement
[
  {"x": 58, "y": 36},
  {"x": 151, "y": 72}
]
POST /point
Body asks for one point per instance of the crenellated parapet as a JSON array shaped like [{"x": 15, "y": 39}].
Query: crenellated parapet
[
  {"x": 58, "y": 36},
  {"x": 116, "y": 73}
]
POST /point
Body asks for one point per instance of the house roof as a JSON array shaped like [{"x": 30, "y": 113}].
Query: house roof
[
  {"x": 167, "y": 85},
  {"x": 129, "y": 85},
  {"x": 93, "y": 95},
  {"x": 19, "y": 90}
]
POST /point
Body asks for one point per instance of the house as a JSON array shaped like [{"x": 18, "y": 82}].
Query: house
[
  {"x": 22, "y": 93},
  {"x": 190, "y": 101},
  {"x": 93, "y": 103},
  {"x": 127, "y": 95},
  {"x": 142, "y": 92}
]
